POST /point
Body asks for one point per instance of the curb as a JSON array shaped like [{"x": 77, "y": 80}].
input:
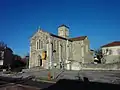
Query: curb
[{"x": 47, "y": 81}]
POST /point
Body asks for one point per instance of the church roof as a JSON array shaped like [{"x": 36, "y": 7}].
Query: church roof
[
  {"x": 78, "y": 38},
  {"x": 59, "y": 36},
  {"x": 115, "y": 43},
  {"x": 64, "y": 26},
  {"x": 70, "y": 39}
]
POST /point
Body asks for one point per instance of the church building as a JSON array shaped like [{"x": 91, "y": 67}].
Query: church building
[{"x": 59, "y": 51}]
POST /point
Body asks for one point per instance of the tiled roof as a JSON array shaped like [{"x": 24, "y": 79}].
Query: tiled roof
[
  {"x": 70, "y": 39},
  {"x": 78, "y": 38},
  {"x": 59, "y": 36},
  {"x": 115, "y": 43},
  {"x": 55, "y": 35}
]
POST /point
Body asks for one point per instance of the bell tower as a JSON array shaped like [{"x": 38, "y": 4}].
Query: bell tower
[{"x": 63, "y": 31}]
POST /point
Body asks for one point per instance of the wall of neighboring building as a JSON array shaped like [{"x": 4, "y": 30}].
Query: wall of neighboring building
[
  {"x": 78, "y": 51},
  {"x": 81, "y": 54},
  {"x": 8, "y": 57},
  {"x": 115, "y": 50},
  {"x": 111, "y": 54},
  {"x": 1, "y": 57},
  {"x": 88, "y": 56},
  {"x": 81, "y": 51}
]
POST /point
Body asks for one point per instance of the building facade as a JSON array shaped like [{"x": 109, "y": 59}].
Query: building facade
[
  {"x": 111, "y": 51},
  {"x": 48, "y": 50}
]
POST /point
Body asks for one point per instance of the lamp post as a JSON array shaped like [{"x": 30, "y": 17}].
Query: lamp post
[{"x": 53, "y": 64}]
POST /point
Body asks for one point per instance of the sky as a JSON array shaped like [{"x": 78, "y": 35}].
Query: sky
[{"x": 97, "y": 19}]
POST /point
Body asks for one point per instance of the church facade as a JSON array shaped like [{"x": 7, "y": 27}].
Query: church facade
[{"x": 48, "y": 50}]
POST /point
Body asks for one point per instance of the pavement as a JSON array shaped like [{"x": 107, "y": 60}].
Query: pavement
[
  {"x": 41, "y": 75},
  {"x": 27, "y": 82},
  {"x": 92, "y": 75}
]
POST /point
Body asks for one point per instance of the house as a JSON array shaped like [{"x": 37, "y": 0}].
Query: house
[
  {"x": 6, "y": 56},
  {"x": 47, "y": 50},
  {"x": 111, "y": 52},
  {"x": 8, "y": 59}
]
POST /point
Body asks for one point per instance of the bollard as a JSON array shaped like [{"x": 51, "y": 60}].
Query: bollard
[{"x": 49, "y": 76}]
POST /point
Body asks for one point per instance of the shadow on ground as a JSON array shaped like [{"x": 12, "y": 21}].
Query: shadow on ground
[{"x": 81, "y": 85}]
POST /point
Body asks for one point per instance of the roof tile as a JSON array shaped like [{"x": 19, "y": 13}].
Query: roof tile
[
  {"x": 115, "y": 43},
  {"x": 78, "y": 38}
]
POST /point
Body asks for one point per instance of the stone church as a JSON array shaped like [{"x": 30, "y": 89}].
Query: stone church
[{"x": 60, "y": 51}]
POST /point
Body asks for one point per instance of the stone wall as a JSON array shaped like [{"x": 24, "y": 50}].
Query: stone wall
[
  {"x": 112, "y": 58},
  {"x": 77, "y": 51},
  {"x": 112, "y": 66},
  {"x": 79, "y": 66}
]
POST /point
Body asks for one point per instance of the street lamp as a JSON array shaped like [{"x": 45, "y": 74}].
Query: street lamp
[{"x": 55, "y": 64}]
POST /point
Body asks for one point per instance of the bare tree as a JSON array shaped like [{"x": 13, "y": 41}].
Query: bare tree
[
  {"x": 2, "y": 48},
  {"x": 2, "y": 44},
  {"x": 100, "y": 56}
]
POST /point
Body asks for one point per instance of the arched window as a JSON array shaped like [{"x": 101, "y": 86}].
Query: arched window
[
  {"x": 37, "y": 45},
  {"x": 45, "y": 45},
  {"x": 41, "y": 44},
  {"x": 54, "y": 46},
  {"x": 57, "y": 46}
]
